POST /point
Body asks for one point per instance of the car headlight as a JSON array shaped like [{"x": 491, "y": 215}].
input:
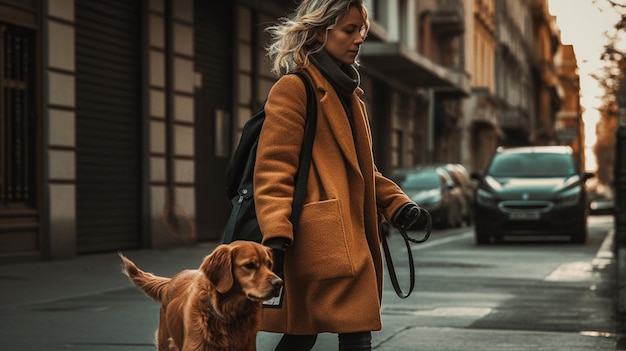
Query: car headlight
[
  {"x": 569, "y": 198},
  {"x": 485, "y": 198}
]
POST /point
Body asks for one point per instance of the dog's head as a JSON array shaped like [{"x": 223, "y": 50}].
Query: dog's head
[{"x": 245, "y": 266}]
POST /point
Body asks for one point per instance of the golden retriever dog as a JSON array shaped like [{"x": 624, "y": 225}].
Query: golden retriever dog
[{"x": 215, "y": 307}]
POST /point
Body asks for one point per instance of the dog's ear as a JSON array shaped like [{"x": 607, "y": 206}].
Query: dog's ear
[{"x": 218, "y": 267}]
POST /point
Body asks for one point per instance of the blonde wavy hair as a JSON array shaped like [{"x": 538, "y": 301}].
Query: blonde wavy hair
[{"x": 294, "y": 37}]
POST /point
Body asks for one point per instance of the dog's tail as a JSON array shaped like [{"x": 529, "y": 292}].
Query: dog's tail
[{"x": 152, "y": 285}]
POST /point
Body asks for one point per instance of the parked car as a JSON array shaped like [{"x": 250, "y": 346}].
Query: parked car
[
  {"x": 531, "y": 191},
  {"x": 462, "y": 178},
  {"x": 433, "y": 189},
  {"x": 602, "y": 205},
  {"x": 601, "y": 200}
]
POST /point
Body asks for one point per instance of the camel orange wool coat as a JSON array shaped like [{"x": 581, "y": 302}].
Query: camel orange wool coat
[{"x": 333, "y": 269}]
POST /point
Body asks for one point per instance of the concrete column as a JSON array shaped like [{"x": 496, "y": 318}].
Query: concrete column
[
  {"x": 59, "y": 110},
  {"x": 171, "y": 81},
  {"x": 393, "y": 20}
]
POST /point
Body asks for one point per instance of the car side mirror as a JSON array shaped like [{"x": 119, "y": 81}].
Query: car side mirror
[{"x": 588, "y": 175}]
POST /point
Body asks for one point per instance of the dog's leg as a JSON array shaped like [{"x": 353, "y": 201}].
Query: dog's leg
[
  {"x": 164, "y": 343},
  {"x": 252, "y": 343},
  {"x": 173, "y": 346},
  {"x": 156, "y": 339},
  {"x": 163, "y": 339}
]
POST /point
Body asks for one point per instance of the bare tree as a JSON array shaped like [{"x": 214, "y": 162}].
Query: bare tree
[{"x": 613, "y": 106}]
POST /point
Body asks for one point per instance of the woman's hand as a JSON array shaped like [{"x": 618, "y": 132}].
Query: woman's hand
[{"x": 406, "y": 216}]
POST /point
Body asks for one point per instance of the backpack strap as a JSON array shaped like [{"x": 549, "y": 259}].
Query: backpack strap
[{"x": 305, "y": 153}]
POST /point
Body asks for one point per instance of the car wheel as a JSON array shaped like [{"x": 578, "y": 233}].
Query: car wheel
[
  {"x": 469, "y": 219},
  {"x": 579, "y": 237},
  {"x": 454, "y": 219},
  {"x": 460, "y": 220},
  {"x": 481, "y": 237},
  {"x": 443, "y": 220},
  {"x": 452, "y": 222}
]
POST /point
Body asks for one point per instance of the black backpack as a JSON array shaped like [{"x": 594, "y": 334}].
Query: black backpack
[{"x": 242, "y": 223}]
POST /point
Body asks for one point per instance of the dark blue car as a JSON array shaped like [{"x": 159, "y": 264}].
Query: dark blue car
[{"x": 531, "y": 191}]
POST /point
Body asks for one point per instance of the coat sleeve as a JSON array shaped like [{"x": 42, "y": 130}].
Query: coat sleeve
[
  {"x": 278, "y": 156},
  {"x": 389, "y": 196}
]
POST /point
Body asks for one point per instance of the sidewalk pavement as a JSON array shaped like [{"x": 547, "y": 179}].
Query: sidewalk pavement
[
  {"x": 31, "y": 283},
  {"x": 50, "y": 286}
]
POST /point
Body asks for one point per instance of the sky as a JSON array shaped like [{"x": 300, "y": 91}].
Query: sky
[{"x": 583, "y": 24}]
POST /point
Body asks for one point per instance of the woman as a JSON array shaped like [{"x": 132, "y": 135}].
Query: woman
[{"x": 333, "y": 266}]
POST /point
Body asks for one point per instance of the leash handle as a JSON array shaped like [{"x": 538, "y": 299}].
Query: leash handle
[
  {"x": 428, "y": 228},
  {"x": 407, "y": 241}
]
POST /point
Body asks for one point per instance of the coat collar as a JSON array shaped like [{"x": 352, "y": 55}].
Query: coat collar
[{"x": 331, "y": 107}]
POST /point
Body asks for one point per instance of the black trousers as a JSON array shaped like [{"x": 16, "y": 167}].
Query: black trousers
[{"x": 361, "y": 341}]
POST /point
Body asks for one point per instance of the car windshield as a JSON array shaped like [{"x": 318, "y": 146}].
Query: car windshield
[
  {"x": 532, "y": 165},
  {"x": 421, "y": 181}
]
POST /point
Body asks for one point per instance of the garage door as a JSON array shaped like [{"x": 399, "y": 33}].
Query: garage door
[{"x": 108, "y": 120}]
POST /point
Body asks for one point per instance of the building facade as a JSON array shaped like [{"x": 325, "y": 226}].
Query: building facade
[
  {"x": 119, "y": 117},
  {"x": 570, "y": 127},
  {"x": 546, "y": 89},
  {"x": 414, "y": 58},
  {"x": 514, "y": 89},
  {"x": 482, "y": 132}
]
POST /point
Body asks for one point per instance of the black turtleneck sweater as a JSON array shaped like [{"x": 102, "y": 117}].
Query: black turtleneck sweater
[{"x": 344, "y": 79}]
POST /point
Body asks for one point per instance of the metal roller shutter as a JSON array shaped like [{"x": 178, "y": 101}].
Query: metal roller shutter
[
  {"x": 108, "y": 117},
  {"x": 214, "y": 60}
]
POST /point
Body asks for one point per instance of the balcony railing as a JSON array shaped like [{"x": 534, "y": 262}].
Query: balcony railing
[
  {"x": 407, "y": 66},
  {"x": 448, "y": 18},
  {"x": 514, "y": 119}
]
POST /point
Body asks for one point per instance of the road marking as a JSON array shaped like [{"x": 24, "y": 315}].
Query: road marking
[
  {"x": 435, "y": 242},
  {"x": 571, "y": 272},
  {"x": 598, "y": 334},
  {"x": 455, "y": 312},
  {"x": 604, "y": 257},
  {"x": 476, "y": 312},
  {"x": 582, "y": 270}
]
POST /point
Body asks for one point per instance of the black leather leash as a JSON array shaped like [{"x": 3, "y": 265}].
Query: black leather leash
[{"x": 407, "y": 241}]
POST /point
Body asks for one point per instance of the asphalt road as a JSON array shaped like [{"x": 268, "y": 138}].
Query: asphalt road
[{"x": 516, "y": 295}]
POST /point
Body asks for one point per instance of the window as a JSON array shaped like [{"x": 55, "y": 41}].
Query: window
[{"x": 17, "y": 117}]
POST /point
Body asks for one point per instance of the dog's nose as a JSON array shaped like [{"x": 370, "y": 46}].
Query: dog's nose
[{"x": 276, "y": 283}]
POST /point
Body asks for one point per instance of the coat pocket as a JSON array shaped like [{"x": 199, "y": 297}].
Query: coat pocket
[{"x": 320, "y": 246}]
